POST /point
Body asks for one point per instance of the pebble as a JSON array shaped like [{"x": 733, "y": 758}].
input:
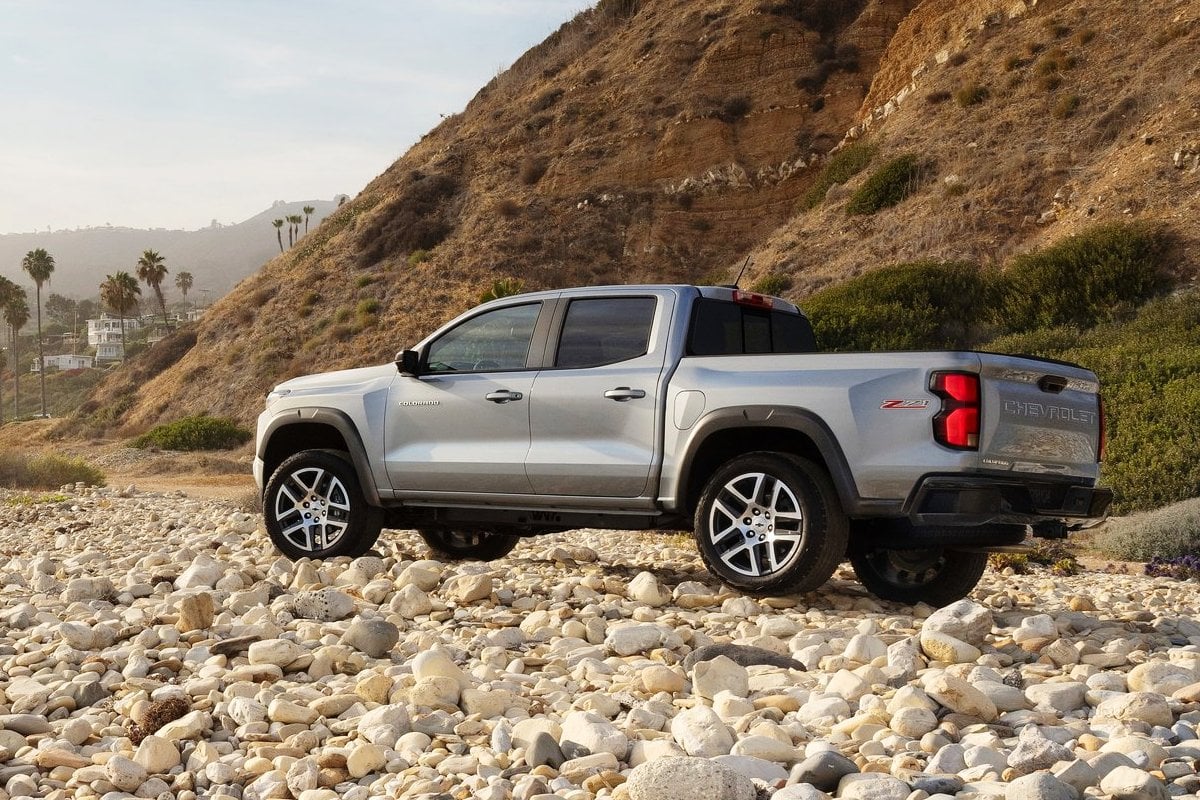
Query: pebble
[{"x": 559, "y": 671}]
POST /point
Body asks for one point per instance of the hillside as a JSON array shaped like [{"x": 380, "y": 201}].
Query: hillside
[
  {"x": 646, "y": 141},
  {"x": 217, "y": 256}
]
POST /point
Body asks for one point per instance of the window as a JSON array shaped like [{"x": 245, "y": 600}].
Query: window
[
  {"x": 497, "y": 340},
  {"x": 605, "y": 331},
  {"x": 721, "y": 328}
]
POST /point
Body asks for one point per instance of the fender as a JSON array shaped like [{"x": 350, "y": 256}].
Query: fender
[
  {"x": 789, "y": 418},
  {"x": 340, "y": 422}
]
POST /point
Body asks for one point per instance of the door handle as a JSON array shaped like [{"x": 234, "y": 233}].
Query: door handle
[
  {"x": 623, "y": 393},
  {"x": 503, "y": 396}
]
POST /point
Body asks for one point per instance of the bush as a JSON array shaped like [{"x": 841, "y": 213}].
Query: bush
[
  {"x": 532, "y": 169},
  {"x": 1092, "y": 277},
  {"x": 774, "y": 284},
  {"x": 735, "y": 108},
  {"x": 887, "y": 186},
  {"x": 366, "y": 308},
  {"x": 841, "y": 167},
  {"x": 1065, "y": 106},
  {"x": 1183, "y": 568},
  {"x": 916, "y": 306},
  {"x": 418, "y": 256},
  {"x": 504, "y": 287},
  {"x": 195, "y": 433},
  {"x": 971, "y": 95},
  {"x": 1167, "y": 533},
  {"x": 46, "y": 471}
]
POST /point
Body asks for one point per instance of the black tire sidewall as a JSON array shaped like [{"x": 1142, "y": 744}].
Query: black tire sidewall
[
  {"x": 955, "y": 580},
  {"x": 491, "y": 547},
  {"x": 825, "y": 529},
  {"x": 365, "y": 520}
]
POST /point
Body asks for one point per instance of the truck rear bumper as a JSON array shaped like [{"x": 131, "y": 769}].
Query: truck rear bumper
[{"x": 978, "y": 500}]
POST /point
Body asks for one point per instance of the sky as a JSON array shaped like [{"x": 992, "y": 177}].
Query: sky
[{"x": 175, "y": 113}]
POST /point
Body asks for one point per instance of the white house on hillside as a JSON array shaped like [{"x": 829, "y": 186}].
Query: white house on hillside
[
  {"x": 107, "y": 329},
  {"x": 64, "y": 362}
]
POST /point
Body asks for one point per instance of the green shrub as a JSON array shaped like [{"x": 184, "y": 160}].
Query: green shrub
[
  {"x": 1169, "y": 532},
  {"x": 364, "y": 281},
  {"x": 504, "y": 287},
  {"x": 418, "y": 256},
  {"x": 1065, "y": 106},
  {"x": 971, "y": 95},
  {"x": 195, "y": 433},
  {"x": 1085, "y": 279},
  {"x": 774, "y": 284},
  {"x": 916, "y": 306},
  {"x": 887, "y": 186},
  {"x": 46, "y": 471},
  {"x": 841, "y": 167},
  {"x": 367, "y": 307}
]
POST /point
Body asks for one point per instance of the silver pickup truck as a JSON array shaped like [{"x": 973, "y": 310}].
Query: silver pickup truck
[{"x": 672, "y": 407}]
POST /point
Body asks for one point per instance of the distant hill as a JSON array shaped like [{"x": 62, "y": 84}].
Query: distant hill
[
  {"x": 664, "y": 140},
  {"x": 218, "y": 256}
]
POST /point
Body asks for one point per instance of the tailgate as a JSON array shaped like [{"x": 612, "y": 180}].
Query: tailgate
[{"x": 1039, "y": 416}]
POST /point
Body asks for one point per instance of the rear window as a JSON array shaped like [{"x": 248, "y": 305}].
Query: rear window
[{"x": 721, "y": 328}]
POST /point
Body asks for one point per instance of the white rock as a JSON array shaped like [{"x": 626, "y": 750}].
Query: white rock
[
  {"x": 203, "y": 573},
  {"x": 1145, "y": 707},
  {"x": 468, "y": 588},
  {"x": 661, "y": 678},
  {"x": 1129, "y": 783},
  {"x": 324, "y": 604},
  {"x": 125, "y": 774},
  {"x": 1039, "y": 786},
  {"x": 156, "y": 754},
  {"x": 961, "y": 697},
  {"x": 720, "y": 674},
  {"x": 767, "y": 748},
  {"x": 913, "y": 722},
  {"x": 645, "y": 588},
  {"x": 436, "y": 663},
  {"x": 286, "y": 712},
  {"x": 941, "y": 647},
  {"x": 872, "y": 786},
  {"x": 365, "y": 758},
  {"x": 687, "y": 779},
  {"x": 1159, "y": 677},
  {"x": 410, "y": 602},
  {"x": 864, "y": 648},
  {"x": 279, "y": 652},
  {"x": 595, "y": 733},
  {"x": 626, "y": 640},
  {"x": 700, "y": 732},
  {"x": 964, "y": 620}
]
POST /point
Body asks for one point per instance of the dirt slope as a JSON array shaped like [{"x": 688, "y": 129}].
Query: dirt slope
[{"x": 665, "y": 140}]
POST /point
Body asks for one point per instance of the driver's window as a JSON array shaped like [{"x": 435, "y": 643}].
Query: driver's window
[{"x": 495, "y": 341}]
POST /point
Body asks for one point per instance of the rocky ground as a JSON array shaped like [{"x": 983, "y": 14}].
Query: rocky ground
[{"x": 155, "y": 645}]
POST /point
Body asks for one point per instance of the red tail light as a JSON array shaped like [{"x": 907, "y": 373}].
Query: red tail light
[
  {"x": 1103, "y": 449},
  {"x": 957, "y": 424},
  {"x": 752, "y": 299}
]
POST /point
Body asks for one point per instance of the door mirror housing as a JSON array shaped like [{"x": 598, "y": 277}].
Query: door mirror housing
[{"x": 408, "y": 362}]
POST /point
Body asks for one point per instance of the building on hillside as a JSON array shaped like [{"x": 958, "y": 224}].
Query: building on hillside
[
  {"x": 110, "y": 351},
  {"x": 107, "y": 329},
  {"x": 64, "y": 362}
]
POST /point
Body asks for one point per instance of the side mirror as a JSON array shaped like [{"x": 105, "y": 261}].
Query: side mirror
[{"x": 408, "y": 362}]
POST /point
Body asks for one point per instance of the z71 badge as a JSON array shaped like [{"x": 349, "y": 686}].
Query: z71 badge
[{"x": 905, "y": 404}]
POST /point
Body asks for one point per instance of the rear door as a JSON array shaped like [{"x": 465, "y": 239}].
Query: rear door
[
  {"x": 1039, "y": 416},
  {"x": 595, "y": 412}
]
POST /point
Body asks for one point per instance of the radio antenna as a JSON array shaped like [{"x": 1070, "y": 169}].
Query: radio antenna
[{"x": 740, "y": 274}]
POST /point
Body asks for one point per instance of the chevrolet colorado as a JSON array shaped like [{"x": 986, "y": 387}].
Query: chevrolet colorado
[{"x": 708, "y": 408}]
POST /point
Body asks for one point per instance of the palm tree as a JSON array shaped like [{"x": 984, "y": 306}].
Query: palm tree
[
  {"x": 295, "y": 219},
  {"x": 152, "y": 270},
  {"x": 183, "y": 282},
  {"x": 16, "y": 314},
  {"x": 278, "y": 223},
  {"x": 308, "y": 211},
  {"x": 39, "y": 264},
  {"x": 120, "y": 293}
]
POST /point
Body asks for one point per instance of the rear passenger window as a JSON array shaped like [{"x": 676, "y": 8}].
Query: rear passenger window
[
  {"x": 721, "y": 328},
  {"x": 605, "y": 331}
]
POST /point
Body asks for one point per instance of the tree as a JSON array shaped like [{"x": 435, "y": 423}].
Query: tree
[
  {"x": 278, "y": 223},
  {"x": 120, "y": 293},
  {"x": 39, "y": 264},
  {"x": 16, "y": 314},
  {"x": 308, "y": 212},
  {"x": 295, "y": 219},
  {"x": 151, "y": 270},
  {"x": 183, "y": 282},
  {"x": 61, "y": 309}
]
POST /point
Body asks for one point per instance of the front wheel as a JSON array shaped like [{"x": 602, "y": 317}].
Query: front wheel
[
  {"x": 936, "y": 576},
  {"x": 314, "y": 507},
  {"x": 769, "y": 523},
  {"x": 457, "y": 544}
]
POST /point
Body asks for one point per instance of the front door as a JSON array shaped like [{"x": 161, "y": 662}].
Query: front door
[{"x": 463, "y": 425}]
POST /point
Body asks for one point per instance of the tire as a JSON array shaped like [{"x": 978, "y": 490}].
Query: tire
[
  {"x": 314, "y": 508},
  {"x": 769, "y": 523},
  {"x": 936, "y": 575},
  {"x": 458, "y": 544}
]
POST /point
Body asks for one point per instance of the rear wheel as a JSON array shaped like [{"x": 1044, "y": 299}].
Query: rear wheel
[
  {"x": 314, "y": 507},
  {"x": 771, "y": 523},
  {"x": 935, "y": 575},
  {"x": 469, "y": 543}
]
